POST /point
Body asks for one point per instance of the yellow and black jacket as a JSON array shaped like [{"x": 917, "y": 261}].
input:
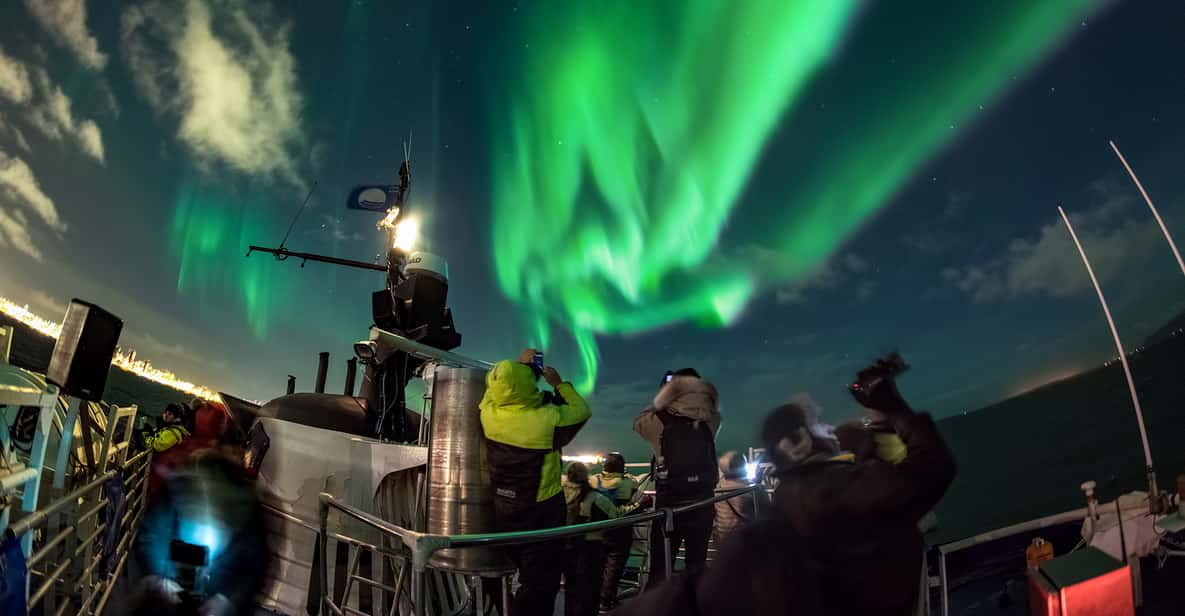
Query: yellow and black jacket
[
  {"x": 165, "y": 438},
  {"x": 524, "y": 433}
]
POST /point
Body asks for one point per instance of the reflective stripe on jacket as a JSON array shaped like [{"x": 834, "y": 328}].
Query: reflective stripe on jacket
[
  {"x": 524, "y": 434},
  {"x": 166, "y": 437}
]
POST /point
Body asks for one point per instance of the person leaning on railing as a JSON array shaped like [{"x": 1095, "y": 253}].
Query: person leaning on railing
[{"x": 524, "y": 430}]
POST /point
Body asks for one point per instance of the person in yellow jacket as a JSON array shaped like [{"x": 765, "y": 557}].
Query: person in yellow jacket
[
  {"x": 525, "y": 429},
  {"x": 171, "y": 431}
]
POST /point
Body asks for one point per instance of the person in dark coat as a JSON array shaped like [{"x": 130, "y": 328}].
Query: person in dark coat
[
  {"x": 860, "y": 519},
  {"x": 762, "y": 569}
]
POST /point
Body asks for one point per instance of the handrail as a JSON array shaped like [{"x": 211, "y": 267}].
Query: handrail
[
  {"x": 995, "y": 535},
  {"x": 22, "y": 525},
  {"x": 526, "y": 536},
  {"x": 423, "y": 351},
  {"x": 424, "y": 545}
]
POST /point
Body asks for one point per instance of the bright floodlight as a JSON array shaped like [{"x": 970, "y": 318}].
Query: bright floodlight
[
  {"x": 751, "y": 471},
  {"x": 406, "y": 234},
  {"x": 585, "y": 458}
]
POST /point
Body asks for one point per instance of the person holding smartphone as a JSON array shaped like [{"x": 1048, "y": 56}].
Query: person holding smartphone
[{"x": 525, "y": 428}]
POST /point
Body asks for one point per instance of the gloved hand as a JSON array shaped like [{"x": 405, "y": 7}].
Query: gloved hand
[
  {"x": 646, "y": 502},
  {"x": 877, "y": 389}
]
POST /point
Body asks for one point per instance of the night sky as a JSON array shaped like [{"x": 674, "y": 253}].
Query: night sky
[{"x": 771, "y": 195}]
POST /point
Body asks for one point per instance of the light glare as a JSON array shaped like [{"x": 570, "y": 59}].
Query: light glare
[{"x": 406, "y": 234}]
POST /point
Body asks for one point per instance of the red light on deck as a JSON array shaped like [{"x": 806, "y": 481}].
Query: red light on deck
[{"x": 1085, "y": 583}]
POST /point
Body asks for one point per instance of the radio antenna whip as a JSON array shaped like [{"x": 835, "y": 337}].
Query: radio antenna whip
[
  {"x": 1127, "y": 372},
  {"x": 298, "y": 213},
  {"x": 1148, "y": 200}
]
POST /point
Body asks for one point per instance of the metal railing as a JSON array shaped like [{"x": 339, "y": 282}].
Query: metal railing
[
  {"x": 1001, "y": 533},
  {"x": 71, "y": 549},
  {"x": 423, "y": 545}
]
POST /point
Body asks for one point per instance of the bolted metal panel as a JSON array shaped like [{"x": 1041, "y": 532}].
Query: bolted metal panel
[{"x": 460, "y": 495}]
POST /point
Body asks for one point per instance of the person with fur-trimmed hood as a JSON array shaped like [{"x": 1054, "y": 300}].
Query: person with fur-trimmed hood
[{"x": 681, "y": 426}]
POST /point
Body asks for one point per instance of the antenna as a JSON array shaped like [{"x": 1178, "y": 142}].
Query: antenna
[
  {"x": 298, "y": 213},
  {"x": 1148, "y": 200},
  {"x": 282, "y": 253},
  {"x": 1127, "y": 372}
]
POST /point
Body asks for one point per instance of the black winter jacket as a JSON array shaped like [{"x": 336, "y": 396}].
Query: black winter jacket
[
  {"x": 761, "y": 570},
  {"x": 860, "y": 520}
]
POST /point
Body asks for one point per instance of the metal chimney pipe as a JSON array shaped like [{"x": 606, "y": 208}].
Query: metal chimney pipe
[
  {"x": 351, "y": 371},
  {"x": 322, "y": 370},
  {"x": 291, "y": 384}
]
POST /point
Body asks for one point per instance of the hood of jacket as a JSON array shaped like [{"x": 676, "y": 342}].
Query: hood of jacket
[
  {"x": 510, "y": 383},
  {"x": 688, "y": 396},
  {"x": 210, "y": 421}
]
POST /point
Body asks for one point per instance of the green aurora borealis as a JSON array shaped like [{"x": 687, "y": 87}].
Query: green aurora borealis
[
  {"x": 627, "y": 134},
  {"x": 624, "y": 136}
]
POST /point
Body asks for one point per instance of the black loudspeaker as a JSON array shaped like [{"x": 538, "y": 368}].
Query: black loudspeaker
[{"x": 82, "y": 355}]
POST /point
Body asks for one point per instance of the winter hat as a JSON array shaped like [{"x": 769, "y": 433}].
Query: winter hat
[
  {"x": 732, "y": 465},
  {"x": 577, "y": 473}
]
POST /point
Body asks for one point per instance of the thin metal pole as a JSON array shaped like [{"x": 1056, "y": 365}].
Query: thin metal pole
[
  {"x": 668, "y": 527},
  {"x": 419, "y": 597},
  {"x": 942, "y": 576},
  {"x": 1131, "y": 384},
  {"x": 323, "y": 544},
  {"x": 505, "y": 595},
  {"x": 1168, "y": 236}
]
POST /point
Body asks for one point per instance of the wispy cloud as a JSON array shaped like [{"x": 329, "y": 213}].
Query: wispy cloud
[
  {"x": 834, "y": 273},
  {"x": 65, "y": 21},
  {"x": 14, "y": 80},
  {"x": 14, "y": 133},
  {"x": 226, "y": 74},
  {"x": 14, "y": 232},
  {"x": 1049, "y": 264},
  {"x": 19, "y": 187},
  {"x": 55, "y": 119}
]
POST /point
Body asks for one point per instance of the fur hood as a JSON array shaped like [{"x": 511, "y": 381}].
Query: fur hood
[{"x": 688, "y": 396}]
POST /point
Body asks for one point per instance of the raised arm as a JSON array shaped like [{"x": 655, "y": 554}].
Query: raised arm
[{"x": 572, "y": 414}]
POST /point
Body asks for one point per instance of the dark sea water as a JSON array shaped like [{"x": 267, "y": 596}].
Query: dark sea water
[{"x": 1026, "y": 457}]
